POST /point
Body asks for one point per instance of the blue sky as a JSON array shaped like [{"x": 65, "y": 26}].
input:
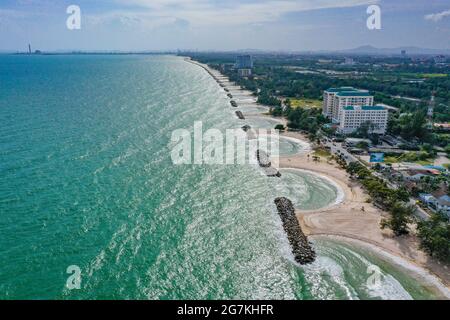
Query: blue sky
[{"x": 288, "y": 25}]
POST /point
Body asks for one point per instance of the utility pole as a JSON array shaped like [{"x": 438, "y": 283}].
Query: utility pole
[{"x": 430, "y": 112}]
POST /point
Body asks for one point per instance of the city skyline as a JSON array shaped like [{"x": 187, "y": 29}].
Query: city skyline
[{"x": 141, "y": 25}]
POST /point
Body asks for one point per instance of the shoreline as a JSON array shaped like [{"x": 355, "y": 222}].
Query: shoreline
[
  {"x": 353, "y": 218},
  {"x": 418, "y": 273},
  {"x": 340, "y": 195}
]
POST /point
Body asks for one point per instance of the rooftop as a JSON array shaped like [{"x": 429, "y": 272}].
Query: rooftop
[
  {"x": 341, "y": 89},
  {"x": 356, "y": 93},
  {"x": 444, "y": 200},
  {"x": 365, "y": 108}
]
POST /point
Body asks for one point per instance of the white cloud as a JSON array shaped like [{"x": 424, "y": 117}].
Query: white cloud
[
  {"x": 438, "y": 16},
  {"x": 129, "y": 19},
  {"x": 205, "y": 12}
]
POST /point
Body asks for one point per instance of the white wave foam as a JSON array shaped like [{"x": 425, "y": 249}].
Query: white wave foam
[
  {"x": 419, "y": 272},
  {"x": 340, "y": 196}
]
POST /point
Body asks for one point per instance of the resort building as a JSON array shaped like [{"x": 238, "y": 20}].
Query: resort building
[
  {"x": 352, "y": 117},
  {"x": 334, "y": 99},
  {"x": 348, "y": 99},
  {"x": 328, "y": 99}
]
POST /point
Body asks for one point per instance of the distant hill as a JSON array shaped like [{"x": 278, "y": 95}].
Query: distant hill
[{"x": 389, "y": 51}]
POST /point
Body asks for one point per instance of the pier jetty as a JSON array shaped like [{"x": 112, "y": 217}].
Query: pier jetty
[{"x": 301, "y": 248}]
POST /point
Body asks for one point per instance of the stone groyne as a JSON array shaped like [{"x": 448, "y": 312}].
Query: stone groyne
[
  {"x": 263, "y": 159},
  {"x": 265, "y": 163},
  {"x": 240, "y": 115},
  {"x": 301, "y": 248}
]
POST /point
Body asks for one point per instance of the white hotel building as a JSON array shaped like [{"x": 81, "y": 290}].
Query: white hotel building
[
  {"x": 338, "y": 103},
  {"x": 328, "y": 99},
  {"x": 352, "y": 117}
]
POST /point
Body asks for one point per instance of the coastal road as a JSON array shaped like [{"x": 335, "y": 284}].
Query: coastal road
[{"x": 337, "y": 149}]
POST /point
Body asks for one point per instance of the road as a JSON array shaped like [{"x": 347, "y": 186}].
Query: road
[{"x": 337, "y": 149}]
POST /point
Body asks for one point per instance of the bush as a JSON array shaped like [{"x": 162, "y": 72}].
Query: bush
[
  {"x": 434, "y": 236},
  {"x": 401, "y": 216}
]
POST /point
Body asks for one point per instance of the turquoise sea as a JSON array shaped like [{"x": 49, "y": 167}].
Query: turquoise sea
[{"x": 86, "y": 180}]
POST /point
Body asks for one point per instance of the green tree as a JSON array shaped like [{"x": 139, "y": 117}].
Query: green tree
[
  {"x": 400, "y": 217},
  {"x": 434, "y": 235}
]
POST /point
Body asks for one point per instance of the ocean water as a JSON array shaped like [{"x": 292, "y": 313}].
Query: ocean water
[{"x": 86, "y": 180}]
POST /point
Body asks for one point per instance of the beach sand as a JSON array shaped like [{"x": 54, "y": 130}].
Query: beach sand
[{"x": 347, "y": 219}]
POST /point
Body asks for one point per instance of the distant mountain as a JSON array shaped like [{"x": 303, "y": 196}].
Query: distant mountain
[{"x": 390, "y": 51}]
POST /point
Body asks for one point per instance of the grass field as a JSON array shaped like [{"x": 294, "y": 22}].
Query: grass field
[
  {"x": 305, "y": 103},
  {"x": 434, "y": 75},
  {"x": 322, "y": 153},
  {"x": 392, "y": 160}
]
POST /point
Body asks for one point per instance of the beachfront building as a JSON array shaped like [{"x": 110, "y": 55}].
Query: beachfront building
[
  {"x": 348, "y": 99},
  {"x": 328, "y": 99},
  {"x": 243, "y": 73},
  {"x": 334, "y": 99},
  {"x": 441, "y": 204},
  {"x": 444, "y": 205},
  {"x": 352, "y": 117},
  {"x": 244, "y": 62}
]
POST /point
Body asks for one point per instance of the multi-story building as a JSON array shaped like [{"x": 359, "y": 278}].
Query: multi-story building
[
  {"x": 244, "y": 73},
  {"x": 348, "y": 99},
  {"x": 328, "y": 99},
  {"x": 334, "y": 99},
  {"x": 352, "y": 117},
  {"x": 244, "y": 62}
]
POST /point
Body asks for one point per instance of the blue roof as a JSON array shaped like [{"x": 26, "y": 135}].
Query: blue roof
[
  {"x": 366, "y": 108},
  {"x": 341, "y": 89},
  {"x": 440, "y": 168},
  {"x": 353, "y": 93}
]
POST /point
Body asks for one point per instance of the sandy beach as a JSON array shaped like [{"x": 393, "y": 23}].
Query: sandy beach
[
  {"x": 353, "y": 219},
  {"x": 348, "y": 219}
]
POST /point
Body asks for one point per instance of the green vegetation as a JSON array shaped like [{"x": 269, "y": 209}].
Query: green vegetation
[
  {"x": 434, "y": 75},
  {"x": 267, "y": 99},
  {"x": 376, "y": 187},
  {"x": 434, "y": 236},
  {"x": 303, "y": 103},
  {"x": 409, "y": 125},
  {"x": 306, "y": 76},
  {"x": 420, "y": 157},
  {"x": 309, "y": 120},
  {"x": 400, "y": 82},
  {"x": 321, "y": 152},
  {"x": 391, "y": 200},
  {"x": 401, "y": 217}
]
